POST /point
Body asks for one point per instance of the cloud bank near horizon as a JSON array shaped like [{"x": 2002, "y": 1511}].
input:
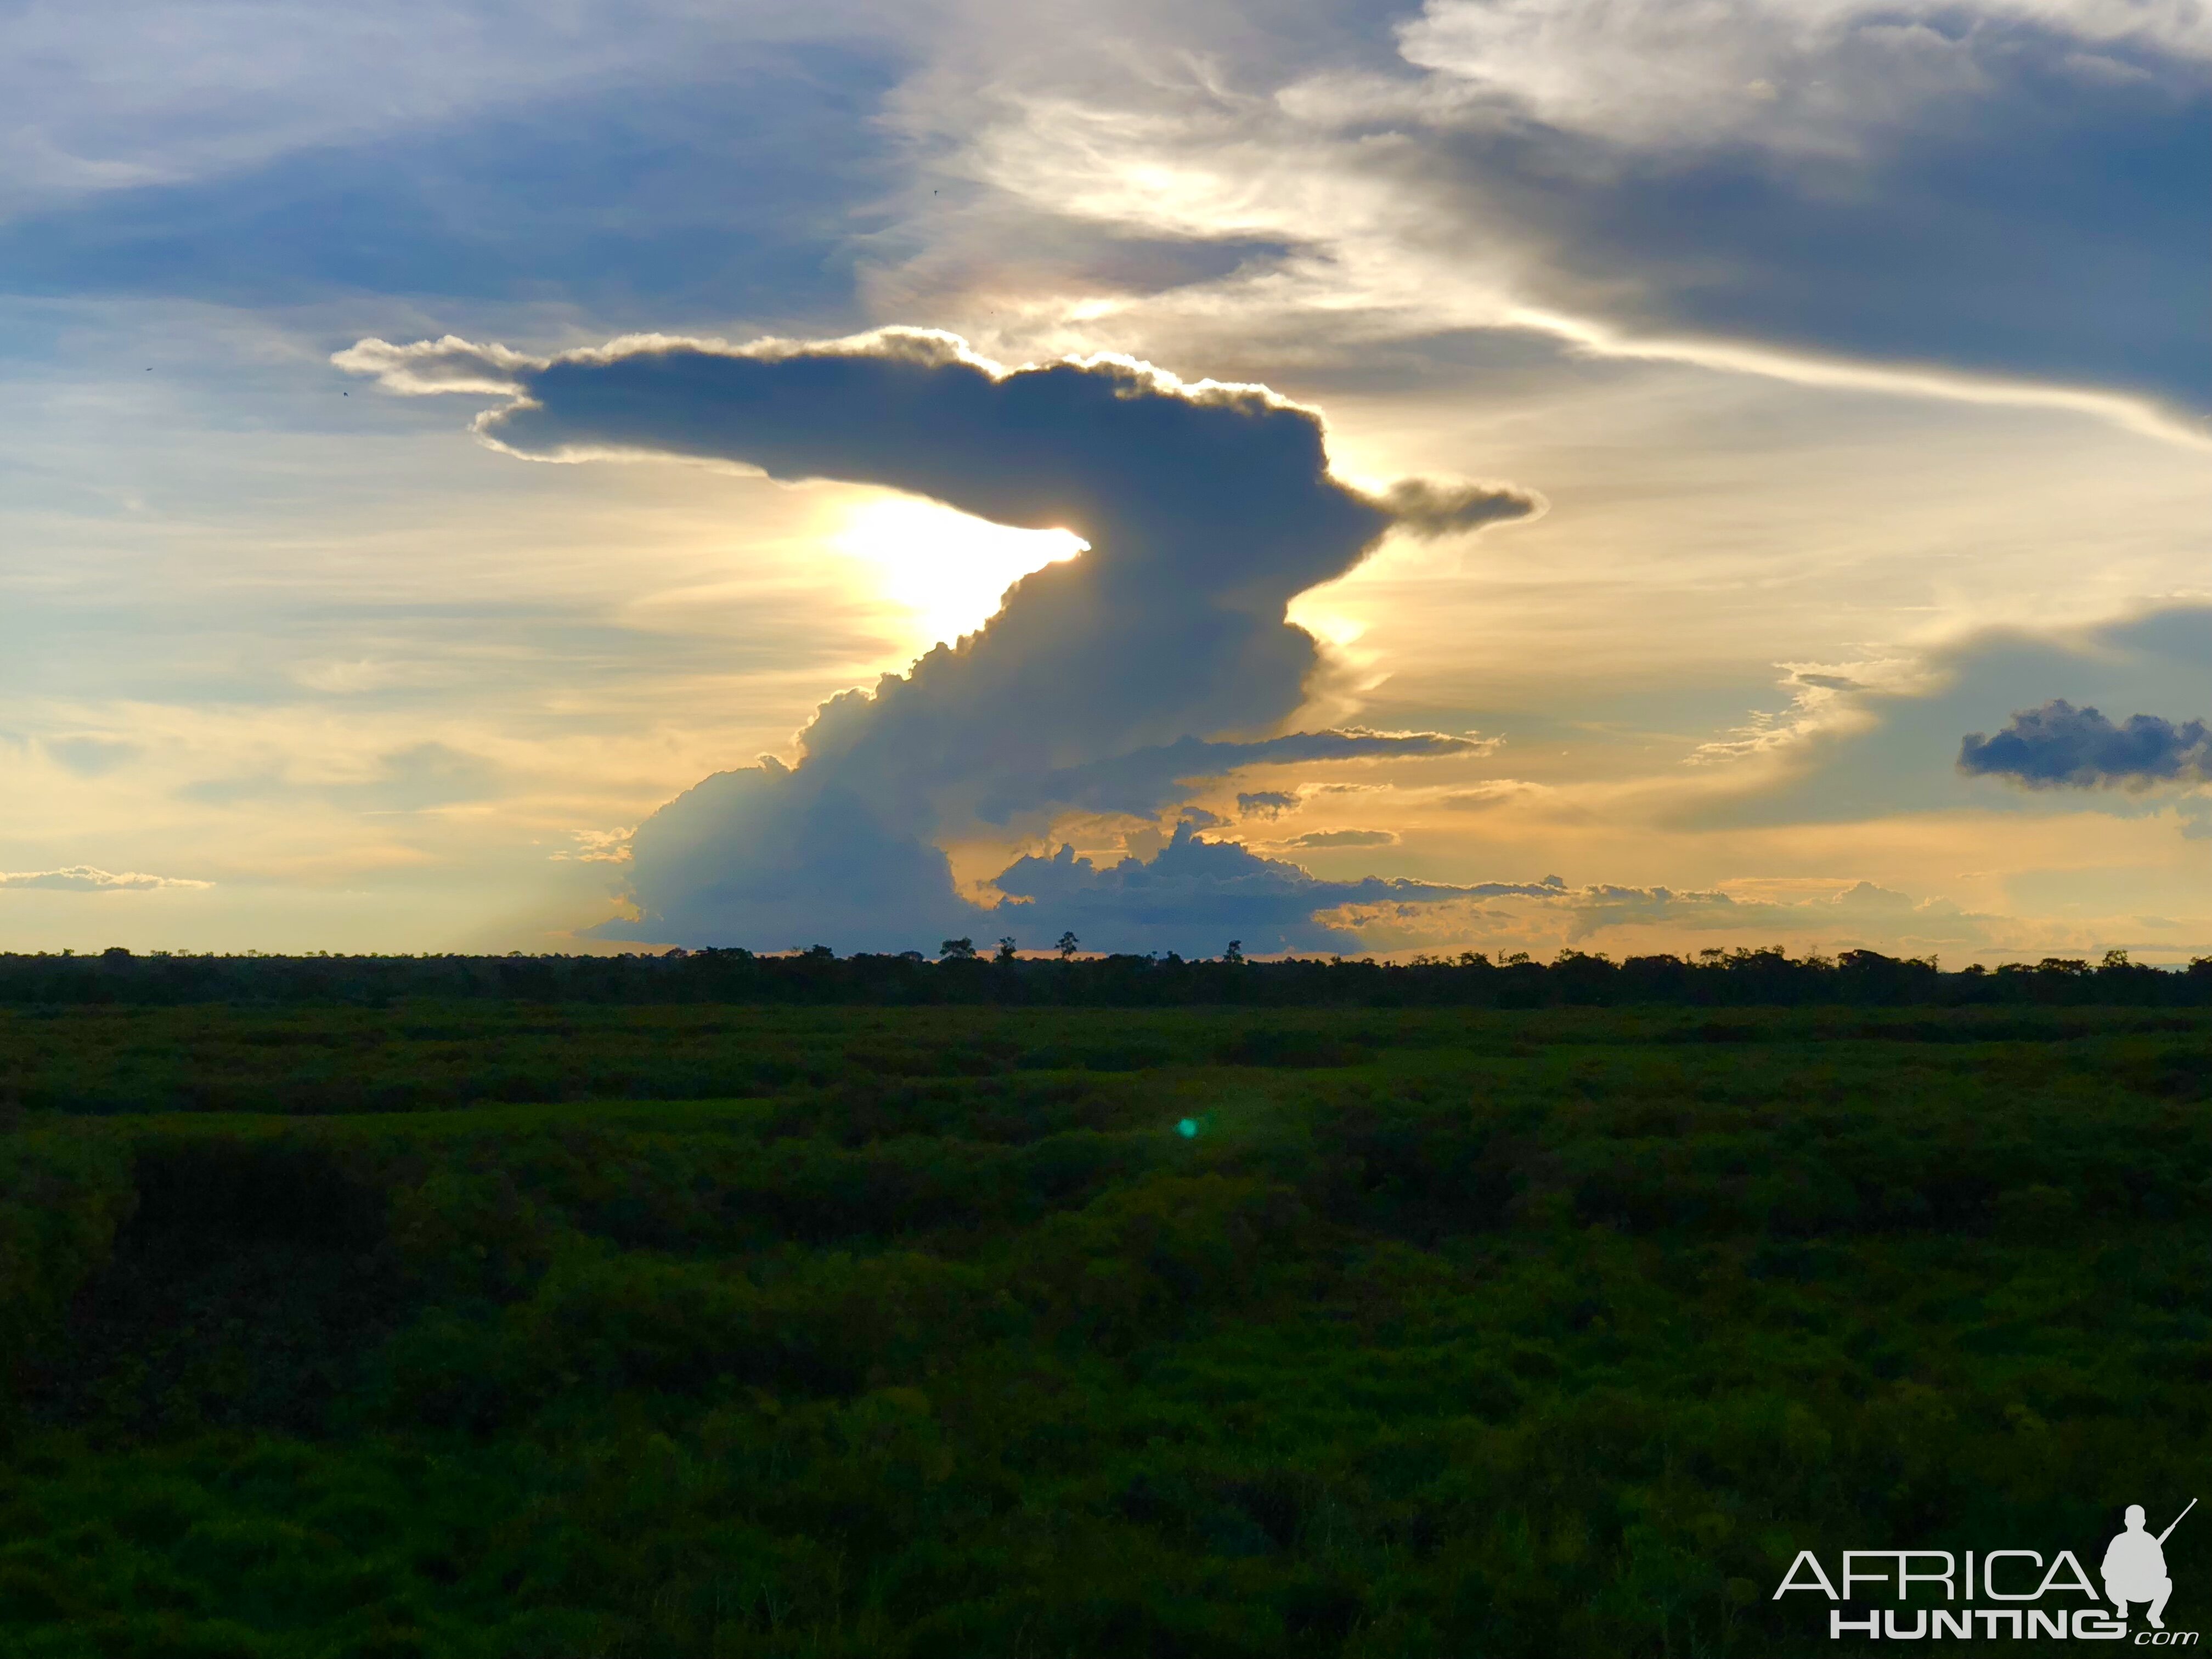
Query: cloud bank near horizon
[
  {"x": 1111, "y": 682},
  {"x": 87, "y": 879},
  {"x": 1210, "y": 892}
]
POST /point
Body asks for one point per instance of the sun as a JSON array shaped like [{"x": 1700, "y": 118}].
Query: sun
[{"x": 949, "y": 571}]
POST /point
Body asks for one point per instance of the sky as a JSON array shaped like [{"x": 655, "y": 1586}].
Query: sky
[{"x": 1620, "y": 476}]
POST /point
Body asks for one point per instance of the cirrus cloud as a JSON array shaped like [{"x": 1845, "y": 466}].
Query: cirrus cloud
[
  {"x": 1319, "y": 840},
  {"x": 86, "y": 878}
]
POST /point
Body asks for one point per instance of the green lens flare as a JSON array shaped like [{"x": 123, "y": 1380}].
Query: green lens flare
[{"x": 1188, "y": 1129}]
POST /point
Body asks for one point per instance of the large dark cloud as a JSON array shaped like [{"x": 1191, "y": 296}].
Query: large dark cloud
[
  {"x": 2002, "y": 189},
  {"x": 2011, "y": 202},
  {"x": 1110, "y": 682},
  {"x": 2059, "y": 746}
]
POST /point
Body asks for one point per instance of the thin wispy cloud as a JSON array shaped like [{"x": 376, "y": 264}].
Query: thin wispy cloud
[
  {"x": 1323, "y": 840},
  {"x": 418, "y": 778},
  {"x": 87, "y": 879}
]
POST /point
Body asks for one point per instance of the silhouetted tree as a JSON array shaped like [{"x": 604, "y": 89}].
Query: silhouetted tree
[
  {"x": 1006, "y": 949},
  {"x": 1716, "y": 978}
]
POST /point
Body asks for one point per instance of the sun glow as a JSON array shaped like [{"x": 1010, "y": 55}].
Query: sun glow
[{"x": 948, "y": 570}]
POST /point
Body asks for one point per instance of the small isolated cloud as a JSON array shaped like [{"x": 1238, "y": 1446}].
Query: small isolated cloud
[
  {"x": 2059, "y": 746},
  {"x": 1895, "y": 746},
  {"x": 1323, "y": 838},
  {"x": 597, "y": 846},
  {"x": 1267, "y": 804},
  {"x": 84, "y": 878}
]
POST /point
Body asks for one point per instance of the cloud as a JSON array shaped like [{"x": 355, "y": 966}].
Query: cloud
[
  {"x": 1800, "y": 913},
  {"x": 597, "y": 847},
  {"x": 1138, "y": 782},
  {"x": 1898, "y": 919},
  {"x": 92, "y": 758},
  {"x": 2059, "y": 746},
  {"x": 1431, "y": 508},
  {"x": 1199, "y": 893},
  {"x": 1866, "y": 896},
  {"x": 427, "y": 368},
  {"x": 278, "y": 152},
  {"x": 1267, "y": 804},
  {"x": 411, "y": 780},
  {"x": 1108, "y": 681},
  {"x": 1972, "y": 198},
  {"x": 1275, "y": 803},
  {"x": 1950, "y": 190},
  {"x": 1893, "y": 744},
  {"x": 1484, "y": 796},
  {"x": 1817, "y": 78},
  {"x": 84, "y": 878},
  {"x": 1322, "y": 838}
]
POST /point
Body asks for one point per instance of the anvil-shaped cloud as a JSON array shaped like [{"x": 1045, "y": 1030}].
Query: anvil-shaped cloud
[{"x": 1109, "y": 682}]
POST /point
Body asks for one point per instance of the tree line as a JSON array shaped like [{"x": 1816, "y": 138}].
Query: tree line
[{"x": 960, "y": 973}]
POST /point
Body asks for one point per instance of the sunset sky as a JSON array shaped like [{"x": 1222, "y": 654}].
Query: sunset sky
[{"x": 1736, "y": 472}]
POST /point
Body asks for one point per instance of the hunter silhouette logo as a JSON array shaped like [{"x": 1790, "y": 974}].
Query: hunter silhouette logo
[{"x": 2135, "y": 1565}]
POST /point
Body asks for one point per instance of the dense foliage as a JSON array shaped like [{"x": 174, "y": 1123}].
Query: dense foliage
[
  {"x": 486, "y": 1329},
  {"x": 962, "y": 977}
]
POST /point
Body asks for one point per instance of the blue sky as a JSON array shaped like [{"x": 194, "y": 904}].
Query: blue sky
[{"x": 1750, "y": 401}]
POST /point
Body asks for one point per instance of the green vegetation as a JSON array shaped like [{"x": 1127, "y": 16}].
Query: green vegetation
[
  {"x": 962, "y": 977},
  {"x": 493, "y": 1329}
]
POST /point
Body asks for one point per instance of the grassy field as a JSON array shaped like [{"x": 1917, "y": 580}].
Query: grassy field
[{"x": 497, "y": 1330}]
